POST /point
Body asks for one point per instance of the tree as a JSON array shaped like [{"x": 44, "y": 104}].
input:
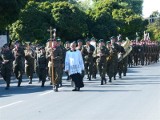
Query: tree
[
  {"x": 9, "y": 11},
  {"x": 33, "y": 23},
  {"x": 69, "y": 21}
]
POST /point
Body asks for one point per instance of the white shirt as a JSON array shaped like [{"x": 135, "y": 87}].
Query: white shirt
[{"x": 74, "y": 62}]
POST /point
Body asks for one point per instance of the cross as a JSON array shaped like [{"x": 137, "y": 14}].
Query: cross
[{"x": 50, "y": 30}]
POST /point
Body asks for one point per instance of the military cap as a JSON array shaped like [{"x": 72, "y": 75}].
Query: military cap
[
  {"x": 93, "y": 38},
  {"x": 79, "y": 40},
  {"x": 101, "y": 40},
  {"x": 67, "y": 42},
  {"x": 113, "y": 37},
  {"x": 86, "y": 40},
  {"x": 17, "y": 41},
  {"x": 108, "y": 42},
  {"x": 42, "y": 47},
  {"x": 58, "y": 39}
]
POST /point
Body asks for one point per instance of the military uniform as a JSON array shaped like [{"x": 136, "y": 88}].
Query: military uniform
[
  {"x": 6, "y": 68},
  {"x": 110, "y": 61},
  {"x": 57, "y": 53},
  {"x": 18, "y": 63},
  {"x": 29, "y": 64},
  {"x": 87, "y": 51},
  {"x": 42, "y": 66},
  {"x": 102, "y": 53}
]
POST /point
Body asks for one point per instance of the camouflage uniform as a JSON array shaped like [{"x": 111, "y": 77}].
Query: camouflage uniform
[
  {"x": 42, "y": 67},
  {"x": 102, "y": 53},
  {"x": 29, "y": 64},
  {"x": 87, "y": 51},
  {"x": 57, "y": 53},
  {"x": 6, "y": 67},
  {"x": 18, "y": 63}
]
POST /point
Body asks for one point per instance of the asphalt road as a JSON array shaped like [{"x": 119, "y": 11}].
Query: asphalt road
[{"x": 134, "y": 97}]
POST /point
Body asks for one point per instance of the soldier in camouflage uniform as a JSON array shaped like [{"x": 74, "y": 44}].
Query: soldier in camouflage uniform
[
  {"x": 18, "y": 63},
  {"x": 55, "y": 54},
  {"x": 110, "y": 60},
  {"x": 59, "y": 44},
  {"x": 42, "y": 65},
  {"x": 115, "y": 57},
  {"x": 6, "y": 61},
  {"x": 102, "y": 53},
  {"x": 87, "y": 51},
  {"x": 29, "y": 63},
  {"x": 120, "y": 63}
]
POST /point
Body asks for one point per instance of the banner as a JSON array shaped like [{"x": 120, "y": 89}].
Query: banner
[{"x": 3, "y": 40}]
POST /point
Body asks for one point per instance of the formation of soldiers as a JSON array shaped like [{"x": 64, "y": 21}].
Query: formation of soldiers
[{"x": 101, "y": 57}]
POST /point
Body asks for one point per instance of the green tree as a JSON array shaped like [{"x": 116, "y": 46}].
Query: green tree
[
  {"x": 9, "y": 11},
  {"x": 33, "y": 23},
  {"x": 69, "y": 21}
]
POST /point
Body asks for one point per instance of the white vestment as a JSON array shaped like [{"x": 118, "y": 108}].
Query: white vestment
[{"x": 74, "y": 62}]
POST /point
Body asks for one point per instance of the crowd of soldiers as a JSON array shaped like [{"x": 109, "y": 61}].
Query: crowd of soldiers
[{"x": 49, "y": 60}]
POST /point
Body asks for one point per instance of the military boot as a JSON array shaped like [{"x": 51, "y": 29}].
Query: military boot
[
  {"x": 42, "y": 84},
  {"x": 19, "y": 82},
  {"x": 30, "y": 80}
]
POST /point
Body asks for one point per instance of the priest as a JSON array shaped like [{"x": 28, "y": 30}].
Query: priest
[{"x": 74, "y": 66}]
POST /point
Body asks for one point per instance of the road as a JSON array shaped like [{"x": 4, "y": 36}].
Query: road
[{"x": 134, "y": 97}]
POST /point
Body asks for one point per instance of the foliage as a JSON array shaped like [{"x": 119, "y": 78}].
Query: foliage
[{"x": 9, "y": 11}]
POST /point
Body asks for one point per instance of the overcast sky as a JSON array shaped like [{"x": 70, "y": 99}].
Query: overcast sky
[{"x": 149, "y": 6}]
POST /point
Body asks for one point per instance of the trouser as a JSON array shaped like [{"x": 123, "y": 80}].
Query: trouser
[
  {"x": 18, "y": 71},
  {"x": 29, "y": 71},
  {"x": 6, "y": 74},
  {"x": 77, "y": 79},
  {"x": 42, "y": 76}
]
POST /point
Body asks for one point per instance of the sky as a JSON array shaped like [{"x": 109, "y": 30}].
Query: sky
[{"x": 149, "y": 6}]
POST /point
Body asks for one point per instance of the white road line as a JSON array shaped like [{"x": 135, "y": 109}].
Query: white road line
[
  {"x": 10, "y": 104},
  {"x": 45, "y": 93},
  {"x": 49, "y": 92}
]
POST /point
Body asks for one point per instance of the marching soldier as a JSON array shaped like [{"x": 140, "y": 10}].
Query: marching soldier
[
  {"x": 87, "y": 51},
  {"x": 102, "y": 53},
  {"x": 42, "y": 65},
  {"x": 18, "y": 63},
  {"x": 29, "y": 63},
  {"x": 59, "y": 44},
  {"x": 6, "y": 61},
  {"x": 115, "y": 57},
  {"x": 120, "y": 63},
  {"x": 110, "y": 60},
  {"x": 55, "y": 54}
]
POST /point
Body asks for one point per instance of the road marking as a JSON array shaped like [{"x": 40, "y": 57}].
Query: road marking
[
  {"x": 45, "y": 93},
  {"x": 49, "y": 92},
  {"x": 10, "y": 104}
]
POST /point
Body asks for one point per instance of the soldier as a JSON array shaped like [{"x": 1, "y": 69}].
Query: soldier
[
  {"x": 115, "y": 57},
  {"x": 42, "y": 65},
  {"x": 55, "y": 54},
  {"x": 94, "y": 71},
  {"x": 37, "y": 52},
  {"x": 102, "y": 53},
  {"x": 29, "y": 63},
  {"x": 59, "y": 44},
  {"x": 87, "y": 51},
  {"x": 120, "y": 63},
  {"x": 6, "y": 61},
  {"x": 110, "y": 60},
  {"x": 18, "y": 63}
]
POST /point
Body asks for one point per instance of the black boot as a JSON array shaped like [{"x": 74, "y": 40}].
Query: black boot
[
  {"x": 19, "y": 82},
  {"x": 56, "y": 88},
  {"x": 101, "y": 81},
  {"x": 110, "y": 79},
  {"x": 42, "y": 84}
]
